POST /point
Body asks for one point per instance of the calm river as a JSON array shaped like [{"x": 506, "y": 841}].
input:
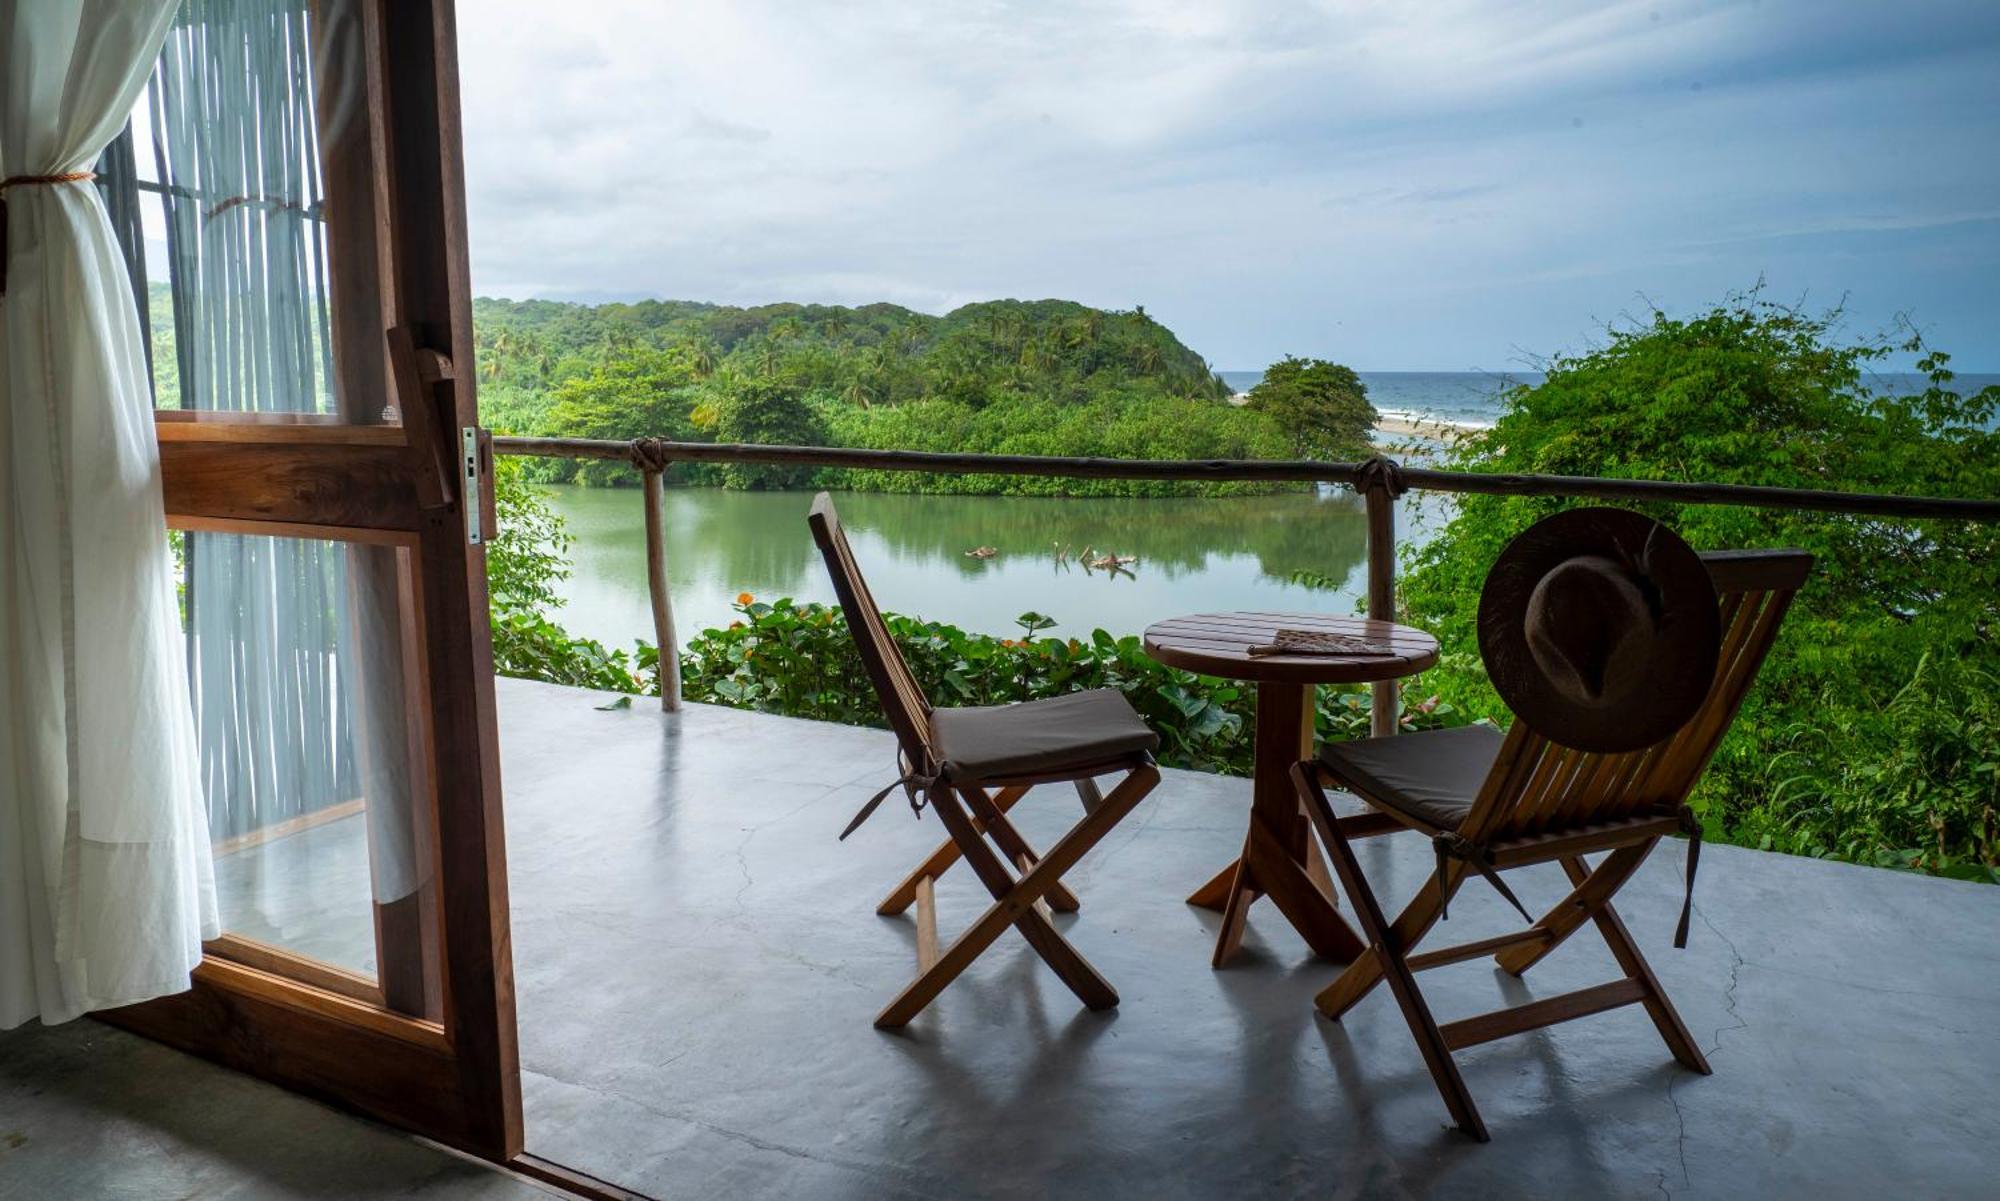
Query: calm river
[{"x": 1194, "y": 554}]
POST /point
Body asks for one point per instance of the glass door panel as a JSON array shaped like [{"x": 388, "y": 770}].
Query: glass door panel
[
  {"x": 303, "y": 659},
  {"x": 304, "y": 161}
]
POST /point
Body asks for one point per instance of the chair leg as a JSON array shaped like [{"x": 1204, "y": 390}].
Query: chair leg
[
  {"x": 1364, "y": 971},
  {"x": 1016, "y": 848},
  {"x": 1665, "y": 1017},
  {"x": 1032, "y": 921},
  {"x": 1014, "y": 901},
  {"x": 946, "y": 854},
  {"x": 1387, "y": 953},
  {"x": 1586, "y": 895}
]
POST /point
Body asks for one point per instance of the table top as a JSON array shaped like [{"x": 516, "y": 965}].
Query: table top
[{"x": 1217, "y": 644}]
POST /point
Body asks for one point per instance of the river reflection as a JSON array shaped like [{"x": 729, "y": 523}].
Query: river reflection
[{"x": 1194, "y": 554}]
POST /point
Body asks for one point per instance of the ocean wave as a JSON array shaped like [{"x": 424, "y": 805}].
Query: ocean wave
[{"x": 1426, "y": 417}]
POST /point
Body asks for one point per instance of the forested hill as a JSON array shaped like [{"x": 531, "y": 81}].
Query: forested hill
[
  {"x": 874, "y": 354},
  {"x": 1047, "y": 377}
]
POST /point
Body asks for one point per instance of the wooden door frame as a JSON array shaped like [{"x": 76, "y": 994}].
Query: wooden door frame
[{"x": 456, "y": 1080}]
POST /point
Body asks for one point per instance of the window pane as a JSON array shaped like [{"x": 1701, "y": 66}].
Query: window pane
[
  {"x": 256, "y": 124},
  {"x": 302, "y": 656}
]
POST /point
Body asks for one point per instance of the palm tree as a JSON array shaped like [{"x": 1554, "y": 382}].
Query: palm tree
[
  {"x": 860, "y": 391},
  {"x": 703, "y": 357},
  {"x": 767, "y": 358},
  {"x": 498, "y": 347}
]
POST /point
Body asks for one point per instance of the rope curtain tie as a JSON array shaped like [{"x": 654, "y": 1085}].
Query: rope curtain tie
[
  {"x": 61, "y": 177},
  {"x": 13, "y": 181}
]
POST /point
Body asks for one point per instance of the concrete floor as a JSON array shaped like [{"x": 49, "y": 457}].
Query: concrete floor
[
  {"x": 698, "y": 963},
  {"x": 89, "y": 1113}
]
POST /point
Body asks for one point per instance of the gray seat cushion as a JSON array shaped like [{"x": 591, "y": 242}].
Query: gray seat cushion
[
  {"x": 1432, "y": 776},
  {"x": 1042, "y": 737}
]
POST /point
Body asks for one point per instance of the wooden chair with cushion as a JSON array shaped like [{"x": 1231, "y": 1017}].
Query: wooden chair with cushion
[
  {"x": 972, "y": 766},
  {"x": 1567, "y": 780}
]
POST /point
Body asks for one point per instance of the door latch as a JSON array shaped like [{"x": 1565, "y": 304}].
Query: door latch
[{"x": 468, "y": 474}]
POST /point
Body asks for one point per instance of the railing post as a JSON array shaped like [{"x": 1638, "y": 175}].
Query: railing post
[
  {"x": 656, "y": 587},
  {"x": 1380, "y": 484}
]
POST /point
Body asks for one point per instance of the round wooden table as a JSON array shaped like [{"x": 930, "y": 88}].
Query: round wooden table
[{"x": 1280, "y": 858}]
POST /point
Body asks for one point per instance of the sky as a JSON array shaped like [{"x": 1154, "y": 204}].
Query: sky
[{"x": 1443, "y": 185}]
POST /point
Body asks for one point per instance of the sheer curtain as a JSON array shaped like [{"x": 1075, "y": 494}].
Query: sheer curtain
[
  {"x": 106, "y": 889},
  {"x": 233, "y": 132}
]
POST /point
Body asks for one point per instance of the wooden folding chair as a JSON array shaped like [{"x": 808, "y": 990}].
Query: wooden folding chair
[
  {"x": 1492, "y": 803},
  {"x": 972, "y": 766}
]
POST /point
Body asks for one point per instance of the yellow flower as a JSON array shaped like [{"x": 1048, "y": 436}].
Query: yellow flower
[{"x": 744, "y": 598}]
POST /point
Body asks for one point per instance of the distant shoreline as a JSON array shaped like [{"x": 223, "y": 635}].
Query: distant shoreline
[{"x": 1399, "y": 424}]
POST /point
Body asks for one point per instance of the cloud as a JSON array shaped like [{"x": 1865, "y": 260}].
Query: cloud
[{"x": 1395, "y": 185}]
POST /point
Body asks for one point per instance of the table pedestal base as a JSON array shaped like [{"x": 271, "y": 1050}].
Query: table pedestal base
[{"x": 1280, "y": 859}]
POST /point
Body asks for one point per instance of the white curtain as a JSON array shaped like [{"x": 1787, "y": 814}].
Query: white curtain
[{"x": 105, "y": 882}]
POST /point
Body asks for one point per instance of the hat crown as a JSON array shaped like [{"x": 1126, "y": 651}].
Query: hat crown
[
  {"x": 1591, "y": 623},
  {"x": 1600, "y": 628}
]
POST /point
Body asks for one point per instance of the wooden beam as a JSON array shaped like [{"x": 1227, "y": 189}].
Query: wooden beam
[
  {"x": 1470, "y": 1032},
  {"x": 1474, "y": 949},
  {"x": 335, "y": 485},
  {"x": 570, "y": 1180},
  {"x": 669, "y": 670},
  {"x": 1287, "y": 470},
  {"x": 1384, "y": 695},
  {"x": 927, "y": 935}
]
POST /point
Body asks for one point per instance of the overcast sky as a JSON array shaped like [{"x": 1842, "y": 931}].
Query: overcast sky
[{"x": 1396, "y": 185}]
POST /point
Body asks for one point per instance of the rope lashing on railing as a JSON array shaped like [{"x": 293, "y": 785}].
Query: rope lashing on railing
[
  {"x": 650, "y": 455},
  {"x": 1378, "y": 471},
  {"x": 19, "y": 181}
]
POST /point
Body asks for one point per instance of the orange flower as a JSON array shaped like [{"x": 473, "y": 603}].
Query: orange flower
[{"x": 744, "y": 598}]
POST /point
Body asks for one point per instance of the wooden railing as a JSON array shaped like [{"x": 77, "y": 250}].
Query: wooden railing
[{"x": 1379, "y": 481}]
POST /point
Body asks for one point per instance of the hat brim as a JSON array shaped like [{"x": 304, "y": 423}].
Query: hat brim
[{"x": 1690, "y": 632}]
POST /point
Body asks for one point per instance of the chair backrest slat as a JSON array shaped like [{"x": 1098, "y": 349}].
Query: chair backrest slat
[
  {"x": 1538, "y": 787},
  {"x": 903, "y": 701}
]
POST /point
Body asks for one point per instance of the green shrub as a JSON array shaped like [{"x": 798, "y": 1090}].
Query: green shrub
[
  {"x": 1859, "y": 739},
  {"x": 799, "y": 660},
  {"x": 525, "y": 560}
]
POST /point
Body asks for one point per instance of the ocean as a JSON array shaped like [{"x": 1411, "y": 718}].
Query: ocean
[{"x": 1473, "y": 398}]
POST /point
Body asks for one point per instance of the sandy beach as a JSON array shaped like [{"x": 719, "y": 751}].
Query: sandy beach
[{"x": 1404, "y": 425}]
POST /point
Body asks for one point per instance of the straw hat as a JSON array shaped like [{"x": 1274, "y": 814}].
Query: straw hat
[{"x": 1599, "y": 628}]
